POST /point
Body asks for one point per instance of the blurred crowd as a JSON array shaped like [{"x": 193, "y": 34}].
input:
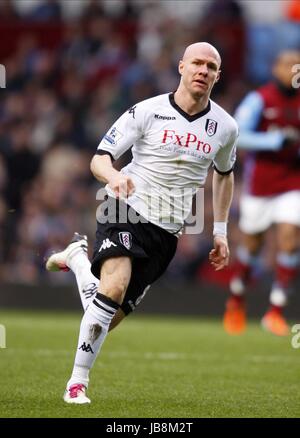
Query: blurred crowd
[{"x": 67, "y": 80}]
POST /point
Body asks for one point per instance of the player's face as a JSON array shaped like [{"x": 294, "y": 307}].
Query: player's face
[
  {"x": 283, "y": 69},
  {"x": 199, "y": 74}
]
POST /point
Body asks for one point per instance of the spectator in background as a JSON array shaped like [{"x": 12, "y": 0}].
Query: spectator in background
[
  {"x": 8, "y": 10},
  {"x": 21, "y": 162},
  {"x": 223, "y": 23},
  {"x": 45, "y": 10},
  {"x": 269, "y": 121}
]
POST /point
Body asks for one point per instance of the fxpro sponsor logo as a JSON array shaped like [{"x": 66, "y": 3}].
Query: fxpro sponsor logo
[{"x": 186, "y": 141}]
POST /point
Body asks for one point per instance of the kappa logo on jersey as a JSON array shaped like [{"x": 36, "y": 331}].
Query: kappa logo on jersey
[
  {"x": 113, "y": 136},
  {"x": 186, "y": 140},
  {"x": 126, "y": 239},
  {"x": 106, "y": 244},
  {"x": 86, "y": 348},
  {"x": 132, "y": 111},
  {"x": 211, "y": 127},
  {"x": 159, "y": 117}
]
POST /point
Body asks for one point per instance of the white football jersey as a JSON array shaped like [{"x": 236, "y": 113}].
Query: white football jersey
[{"x": 172, "y": 152}]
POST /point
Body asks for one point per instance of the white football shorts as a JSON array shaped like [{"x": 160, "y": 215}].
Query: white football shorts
[{"x": 258, "y": 213}]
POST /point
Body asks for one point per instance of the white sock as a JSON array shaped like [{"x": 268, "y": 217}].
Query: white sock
[
  {"x": 237, "y": 287},
  {"x": 87, "y": 283},
  {"x": 278, "y": 296},
  {"x": 93, "y": 331}
]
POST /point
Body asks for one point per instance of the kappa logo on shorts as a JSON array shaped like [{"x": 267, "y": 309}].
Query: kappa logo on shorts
[
  {"x": 126, "y": 239},
  {"x": 106, "y": 244}
]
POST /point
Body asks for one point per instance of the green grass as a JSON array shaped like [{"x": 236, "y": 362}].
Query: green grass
[{"x": 149, "y": 367}]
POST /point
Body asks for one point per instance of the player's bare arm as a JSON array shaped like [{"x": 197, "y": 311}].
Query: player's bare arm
[
  {"x": 222, "y": 197},
  {"x": 103, "y": 170}
]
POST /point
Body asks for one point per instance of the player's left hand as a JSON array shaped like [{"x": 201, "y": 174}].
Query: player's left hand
[{"x": 219, "y": 256}]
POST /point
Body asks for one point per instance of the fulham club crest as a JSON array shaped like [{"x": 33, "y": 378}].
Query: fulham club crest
[
  {"x": 211, "y": 127},
  {"x": 126, "y": 239}
]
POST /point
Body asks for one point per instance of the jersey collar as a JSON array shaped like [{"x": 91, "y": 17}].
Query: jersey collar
[{"x": 186, "y": 115}]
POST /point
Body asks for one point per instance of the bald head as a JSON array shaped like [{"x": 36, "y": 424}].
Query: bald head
[
  {"x": 200, "y": 70},
  {"x": 198, "y": 50}
]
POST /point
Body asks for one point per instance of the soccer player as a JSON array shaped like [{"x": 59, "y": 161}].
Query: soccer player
[
  {"x": 175, "y": 137},
  {"x": 269, "y": 123}
]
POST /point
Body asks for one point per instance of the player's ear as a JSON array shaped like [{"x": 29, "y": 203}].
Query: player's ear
[
  {"x": 180, "y": 67},
  {"x": 218, "y": 76}
]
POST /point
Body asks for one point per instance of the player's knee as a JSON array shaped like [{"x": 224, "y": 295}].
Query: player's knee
[
  {"x": 115, "y": 277},
  {"x": 287, "y": 238},
  {"x": 288, "y": 243},
  {"x": 114, "y": 286},
  {"x": 253, "y": 243},
  {"x": 288, "y": 247},
  {"x": 114, "y": 290}
]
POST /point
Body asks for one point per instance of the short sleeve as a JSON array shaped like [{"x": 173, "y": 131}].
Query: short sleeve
[
  {"x": 123, "y": 134},
  {"x": 226, "y": 157}
]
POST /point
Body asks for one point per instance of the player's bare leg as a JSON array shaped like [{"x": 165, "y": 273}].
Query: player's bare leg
[
  {"x": 234, "y": 320},
  {"x": 115, "y": 276},
  {"x": 119, "y": 316},
  {"x": 287, "y": 266}
]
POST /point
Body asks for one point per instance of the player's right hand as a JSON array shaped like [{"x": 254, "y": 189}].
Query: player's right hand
[{"x": 122, "y": 185}]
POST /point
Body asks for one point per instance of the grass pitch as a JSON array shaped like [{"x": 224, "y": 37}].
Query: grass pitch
[{"x": 158, "y": 367}]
